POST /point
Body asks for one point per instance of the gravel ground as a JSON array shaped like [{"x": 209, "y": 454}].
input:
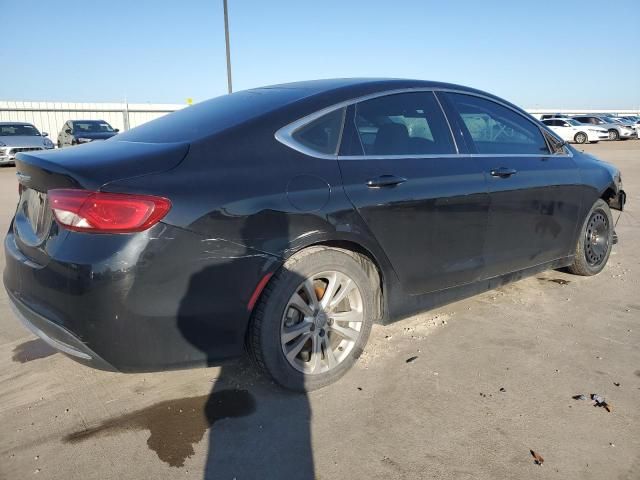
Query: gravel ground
[{"x": 490, "y": 379}]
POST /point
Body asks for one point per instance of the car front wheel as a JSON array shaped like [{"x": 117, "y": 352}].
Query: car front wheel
[
  {"x": 581, "y": 137},
  {"x": 613, "y": 134},
  {"x": 313, "y": 319},
  {"x": 595, "y": 241}
]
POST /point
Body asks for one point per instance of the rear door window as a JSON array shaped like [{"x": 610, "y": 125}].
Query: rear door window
[
  {"x": 496, "y": 129},
  {"x": 403, "y": 124}
]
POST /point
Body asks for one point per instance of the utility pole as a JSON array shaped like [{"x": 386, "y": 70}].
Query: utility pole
[{"x": 226, "y": 38}]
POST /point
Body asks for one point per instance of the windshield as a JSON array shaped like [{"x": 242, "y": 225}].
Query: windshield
[
  {"x": 91, "y": 127},
  {"x": 18, "y": 130}
]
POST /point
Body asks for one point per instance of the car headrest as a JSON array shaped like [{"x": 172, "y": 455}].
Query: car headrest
[{"x": 392, "y": 138}]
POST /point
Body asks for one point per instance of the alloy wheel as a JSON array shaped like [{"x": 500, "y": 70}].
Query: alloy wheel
[{"x": 322, "y": 322}]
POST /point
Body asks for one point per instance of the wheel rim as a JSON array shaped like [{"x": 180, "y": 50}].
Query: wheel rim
[
  {"x": 612, "y": 135},
  {"x": 322, "y": 322},
  {"x": 596, "y": 242},
  {"x": 581, "y": 138}
]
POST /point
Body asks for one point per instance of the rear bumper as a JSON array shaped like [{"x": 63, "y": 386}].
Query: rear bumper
[
  {"x": 158, "y": 300},
  {"x": 57, "y": 336}
]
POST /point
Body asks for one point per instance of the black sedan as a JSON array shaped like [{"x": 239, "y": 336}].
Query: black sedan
[
  {"x": 288, "y": 219},
  {"x": 75, "y": 132}
]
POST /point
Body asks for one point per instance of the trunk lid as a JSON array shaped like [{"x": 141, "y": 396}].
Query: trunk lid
[{"x": 90, "y": 167}]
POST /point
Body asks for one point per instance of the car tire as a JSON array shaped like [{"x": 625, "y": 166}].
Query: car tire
[
  {"x": 581, "y": 137},
  {"x": 595, "y": 241},
  {"x": 278, "y": 318},
  {"x": 613, "y": 134}
]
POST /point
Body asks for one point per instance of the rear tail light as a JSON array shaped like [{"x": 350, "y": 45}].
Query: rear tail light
[{"x": 99, "y": 212}]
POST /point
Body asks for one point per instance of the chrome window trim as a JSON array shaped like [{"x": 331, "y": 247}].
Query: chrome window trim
[{"x": 285, "y": 134}]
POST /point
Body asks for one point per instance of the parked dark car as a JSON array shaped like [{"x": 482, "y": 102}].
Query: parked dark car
[
  {"x": 75, "y": 132},
  {"x": 288, "y": 219}
]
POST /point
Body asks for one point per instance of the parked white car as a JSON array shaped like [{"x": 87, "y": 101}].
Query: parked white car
[{"x": 571, "y": 130}]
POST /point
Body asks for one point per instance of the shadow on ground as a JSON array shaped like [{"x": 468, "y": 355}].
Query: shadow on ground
[{"x": 256, "y": 429}]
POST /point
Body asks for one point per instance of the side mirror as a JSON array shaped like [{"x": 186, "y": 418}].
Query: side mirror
[
  {"x": 116, "y": 130},
  {"x": 68, "y": 131}
]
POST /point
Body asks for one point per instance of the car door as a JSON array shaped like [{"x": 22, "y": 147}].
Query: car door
[
  {"x": 557, "y": 126},
  {"x": 535, "y": 195},
  {"x": 566, "y": 131},
  {"x": 424, "y": 201}
]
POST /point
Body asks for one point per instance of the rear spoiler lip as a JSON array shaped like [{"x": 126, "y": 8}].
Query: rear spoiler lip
[{"x": 36, "y": 170}]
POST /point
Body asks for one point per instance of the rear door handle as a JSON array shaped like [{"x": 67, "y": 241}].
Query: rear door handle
[
  {"x": 385, "y": 181},
  {"x": 503, "y": 172}
]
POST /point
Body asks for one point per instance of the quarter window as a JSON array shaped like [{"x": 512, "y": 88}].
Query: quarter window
[
  {"x": 403, "y": 124},
  {"x": 322, "y": 134},
  {"x": 496, "y": 129}
]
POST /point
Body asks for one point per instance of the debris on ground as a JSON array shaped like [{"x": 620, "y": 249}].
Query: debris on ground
[
  {"x": 537, "y": 458},
  {"x": 601, "y": 402},
  {"x": 411, "y": 359},
  {"x": 617, "y": 384},
  {"x": 579, "y": 397},
  {"x": 502, "y": 389}
]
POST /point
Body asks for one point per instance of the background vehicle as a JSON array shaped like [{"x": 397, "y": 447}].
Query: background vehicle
[
  {"x": 171, "y": 245},
  {"x": 18, "y": 137},
  {"x": 629, "y": 123},
  {"x": 554, "y": 115},
  {"x": 573, "y": 131},
  {"x": 75, "y": 132},
  {"x": 632, "y": 118},
  {"x": 615, "y": 129}
]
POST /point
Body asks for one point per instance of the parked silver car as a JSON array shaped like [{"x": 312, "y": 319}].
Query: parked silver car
[
  {"x": 20, "y": 137},
  {"x": 617, "y": 131},
  {"x": 629, "y": 122}
]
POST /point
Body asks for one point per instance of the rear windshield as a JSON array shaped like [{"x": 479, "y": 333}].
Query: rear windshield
[{"x": 212, "y": 116}]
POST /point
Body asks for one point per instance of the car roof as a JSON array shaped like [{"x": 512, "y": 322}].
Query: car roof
[
  {"x": 282, "y": 103},
  {"x": 16, "y": 123},
  {"x": 354, "y": 87}
]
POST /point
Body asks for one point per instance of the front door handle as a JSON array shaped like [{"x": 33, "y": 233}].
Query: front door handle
[
  {"x": 503, "y": 172},
  {"x": 385, "y": 181}
]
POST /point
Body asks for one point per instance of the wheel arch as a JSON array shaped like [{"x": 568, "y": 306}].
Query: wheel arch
[
  {"x": 375, "y": 268},
  {"x": 613, "y": 196}
]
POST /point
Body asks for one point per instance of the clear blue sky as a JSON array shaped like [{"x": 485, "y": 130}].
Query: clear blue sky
[{"x": 561, "y": 53}]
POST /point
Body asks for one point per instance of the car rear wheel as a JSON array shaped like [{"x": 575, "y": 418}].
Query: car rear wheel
[
  {"x": 313, "y": 319},
  {"x": 613, "y": 134},
  {"x": 581, "y": 137},
  {"x": 595, "y": 241}
]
